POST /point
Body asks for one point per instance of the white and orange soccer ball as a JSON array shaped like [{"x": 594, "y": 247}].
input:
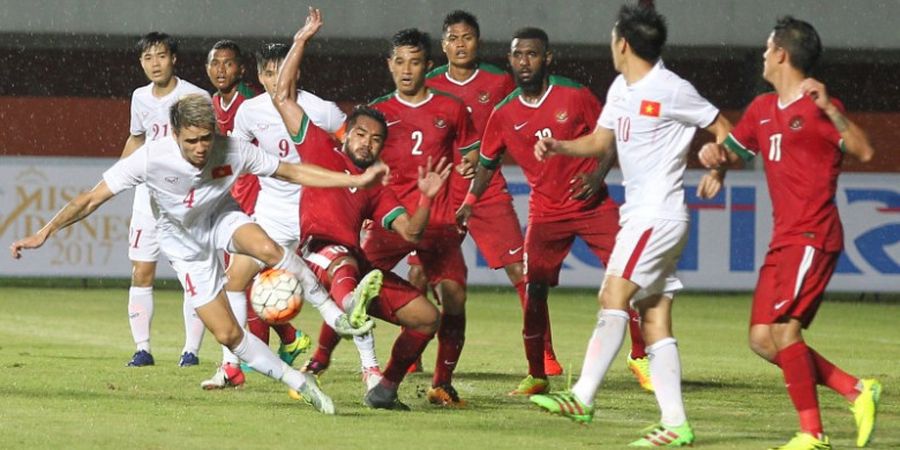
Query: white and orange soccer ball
[{"x": 276, "y": 296}]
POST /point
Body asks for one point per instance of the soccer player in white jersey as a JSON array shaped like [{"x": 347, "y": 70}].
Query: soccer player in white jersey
[
  {"x": 651, "y": 115},
  {"x": 276, "y": 204},
  {"x": 150, "y": 122},
  {"x": 189, "y": 176}
]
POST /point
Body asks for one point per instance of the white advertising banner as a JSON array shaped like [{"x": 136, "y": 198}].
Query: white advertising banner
[{"x": 728, "y": 240}]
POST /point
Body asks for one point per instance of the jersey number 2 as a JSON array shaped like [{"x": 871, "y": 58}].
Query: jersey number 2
[{"x": 417, "y": 137}]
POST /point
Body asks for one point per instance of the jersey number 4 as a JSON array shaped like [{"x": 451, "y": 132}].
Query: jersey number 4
[
  {"x": 775, "y": 147},
  {"x": 189, "y": 199}
]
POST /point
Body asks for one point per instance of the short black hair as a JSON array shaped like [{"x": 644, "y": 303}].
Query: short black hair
[
  {"x": 533, "y": 33},
  {"x": 460, "y": 16},
  {"x": 800, "y": 40},
  {"x": 156, "y": 38},
  {"x": 366, "y": 111},
  {"x": 412, "y": 37},
  {"x": 270, "y": 52},
  {"x": 644, "y": 29},
  {"x": 227, "y": 44}
]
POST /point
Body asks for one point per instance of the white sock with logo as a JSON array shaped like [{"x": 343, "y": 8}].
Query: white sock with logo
[
  {"x": 602, "y": 348},
  {"x": 238, "y": 302},
  {"x": 665, "y": 373},
  {"x": 193, "y": 330},
  {"x": 140, "y": 315}
]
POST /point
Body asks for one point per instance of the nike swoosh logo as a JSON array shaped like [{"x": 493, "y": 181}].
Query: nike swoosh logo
[
  {"x": 764, "y": 121},
  {"x": 450, "y": 363},
  {"x": 519, "y": 126},
  {"x": 515, "y": 250},
  {"x": 394, "y": 122},
  {"x": 780, "y": 304}
]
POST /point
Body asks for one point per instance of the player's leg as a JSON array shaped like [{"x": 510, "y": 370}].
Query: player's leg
[
  {"x": 143, "y": 251},
  {"x": 416, "y": 277}
]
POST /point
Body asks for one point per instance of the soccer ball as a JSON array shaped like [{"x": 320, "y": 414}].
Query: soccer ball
[{"x": 276, "y": 296}]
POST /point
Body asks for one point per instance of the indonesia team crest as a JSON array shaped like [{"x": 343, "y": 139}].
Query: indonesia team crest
[
  {"x": 562, "y": 116},
  {"x": 439, "y": 122},
  {"x": 796, "y": 123},
  {"x": 484, "y": 97}
]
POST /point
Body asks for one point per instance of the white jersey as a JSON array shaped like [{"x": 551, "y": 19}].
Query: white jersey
[
  {"x": 654, "y": 121},
  {"x": 186, "y": 200},
  {"x": 257, "y": 119},
  {"x": 150, "y": 117}
]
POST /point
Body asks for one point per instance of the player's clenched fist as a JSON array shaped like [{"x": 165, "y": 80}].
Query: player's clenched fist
[
  {"x": 545, "y": 147},
  {"x": 712, "y": 155}
]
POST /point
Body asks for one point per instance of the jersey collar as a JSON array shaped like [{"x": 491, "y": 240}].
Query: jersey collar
[
  {"x": 539, "y": 102},
  {"x": 658, "y": 67},
  {"x": 414, "y": 105},
  {"x": 464, "y": 82}
]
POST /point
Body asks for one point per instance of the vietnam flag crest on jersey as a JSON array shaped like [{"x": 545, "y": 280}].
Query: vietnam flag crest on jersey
[{"x": 650, "y": 108}]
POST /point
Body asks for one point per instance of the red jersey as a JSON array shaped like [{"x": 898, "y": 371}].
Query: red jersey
[
  {"x": 336, "y": 214},
  {"x": 802, "y": 154},
  {"x": 439, "y": 126},
  {"x": 246, "y": 188},
  {"x": 567, "y": 110},
  {"x": 485, "y": 88}
]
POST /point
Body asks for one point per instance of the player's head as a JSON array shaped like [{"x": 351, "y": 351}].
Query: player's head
[
  {"x": 158, "y": 52},
  {"x": 529, "y": 57},
  {"x": 793, "y": 43},
  {"x": 640, "y": 32},
  {"x": 366, "y": 132},
  {"x": 193, "y": 127},
  {"x": 460, "y": 38},
  {"x": 410, "y": 60},
  {"x": 225, "y": 65},
  {"x": 268, "y": 60}
]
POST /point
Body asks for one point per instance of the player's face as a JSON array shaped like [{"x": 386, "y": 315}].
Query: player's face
[
  {"x": 158, "y": 64},
  {"x": 268, "y": 77},
  {"x": 408, "y": 67},
  {"x": 224, "y": 69},
  {"x": 364, "y": 141},
  {"x": 771, "y": 57},
  {"x": 528, "y": 59},
  {"x": 195, "y": 144},
  {"x": 460, "y": 44},
  {"x": 617, "y": 49}
]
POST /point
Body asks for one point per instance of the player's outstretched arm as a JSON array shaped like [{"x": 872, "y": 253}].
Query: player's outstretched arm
[
  {"x": 285, "y": 98},
  {"x": 314, "y": 176},
  {"x": 431, "y": 180},
  {"x": 855, "y": 140},
  {"x": 591, "y": 145},
  {"x": 80, "y": 207}
]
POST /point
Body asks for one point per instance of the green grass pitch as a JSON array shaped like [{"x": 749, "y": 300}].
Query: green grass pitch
[{"x": 63, "y": 383}]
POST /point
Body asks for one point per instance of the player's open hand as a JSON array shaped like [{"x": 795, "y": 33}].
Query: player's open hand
[
  {"x": 431, "y": 179},
  {"x": 710, "y": 184},
  {"x": 33, "y": 241},
  {"x": 373, "y": 175},
  {"x": 544, "y": 148},
  {"x": 816, "y": 91},
  {"x": 311, "y": 27},
  {"x": 712, "y": 155}
]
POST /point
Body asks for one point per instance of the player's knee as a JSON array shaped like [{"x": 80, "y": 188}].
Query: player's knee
[
  {"x": 143, "y": 274},
  {"x": 452, "y": 296},
  {"x": 761, "y": 343},
  {"x": 229, "y": 336},
  {"x": 515, "y": 272},
  {"x": 269, "y": 252},
  {"x": 429, "y": 321}
]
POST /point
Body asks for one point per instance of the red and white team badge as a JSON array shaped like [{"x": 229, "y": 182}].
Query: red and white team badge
[
  {"x": 484, "y": 97},
  {"x": 562, "y": 116},
  {"x": 439, "y": 122},
  {"x": 796, "y": 123}
]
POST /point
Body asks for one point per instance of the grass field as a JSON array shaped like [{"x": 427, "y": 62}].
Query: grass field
[{"x": 63, "y": 383}]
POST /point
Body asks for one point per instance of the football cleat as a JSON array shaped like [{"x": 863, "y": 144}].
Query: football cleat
[
  {"x": 343, "y": 327},
  {"x": 660, "y": 435},
  {"x": 864, "y": 409},
  {"x": 141, "y": 358},
  {"x": 368, "y": 288},
  {"x": 531, "y": 386},
  {"x": 445, "y": 395},
  {"x": 805, "y": 441},
  {"x": 314, "y": 367},
  {"x": 381, "y": 397},
  {"x": 188, "y": 359},
  {"x": 565, "y": 404},
  {"x": 289, "y": 352},
  {"x": 371, "y": 376},
  {"x": 228, "y": 375},
  {"x": 551, "y": 365},
  {"x": 640, "y": 367},
  {"x": 311, "y": 394}
]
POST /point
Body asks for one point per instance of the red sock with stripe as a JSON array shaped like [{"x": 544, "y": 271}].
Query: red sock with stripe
[
  {"x": 328, "y": 340},
  {"x": 407, "y": 348},
  {"x": 827, "y": 374},
  {"x": 451, "y": 338},
  {"x": 800, "y": 380},
  {"x": 343, "y": 281},
  {"x": 548, "y": 335},
  {"x": 638, "y": 346},
  {"x": 533, "y": 333}
]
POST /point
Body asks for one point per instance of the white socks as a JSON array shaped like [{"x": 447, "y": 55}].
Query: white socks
[
  {"x": 258, "y": 356},
  {"x": 665, "y": 372},
  {"x": 238, "y": 303},
  {"x": 313, "y": 292},
  {"x": 193, "y": 330},
  {"x": 365, "y": 345},
  {"x": 140, "y": 314},
  {"x": 602, "y": 348}
]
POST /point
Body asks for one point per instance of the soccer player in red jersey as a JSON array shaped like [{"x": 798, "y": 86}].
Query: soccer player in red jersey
[
  {"x": 543, "y": 106},
  {"x": 332, "y": 218},
  {"x": 493, "y": 224},
  {"x": 802, "y": 135}
]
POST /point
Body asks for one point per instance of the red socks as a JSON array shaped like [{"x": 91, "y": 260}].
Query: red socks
[
  {"x": 451, "y": 338},
  {"x": 637, "y": 339},
  {"x": 343, "y": 282},
  {"x": 256, "y": 325},
  {"x": 799, "y": 370},
  {"x": 827, "y": 374},
  {"x": 548, "y": 334},
  {"x": 407, "y": 348},
  {"x": 328, "y": 340},
  {"x": 533, "y": 332}
]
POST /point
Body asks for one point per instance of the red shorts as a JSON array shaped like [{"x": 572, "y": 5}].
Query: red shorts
[
  {"x": 547, "y": 244},
  {"x": 245, "y": 191},
  {"x": 395, "y": 291},
  {"x": 439, "y": 251},
  {"x": 791, "y": 283},
  {"x": 497, "y": 233}
]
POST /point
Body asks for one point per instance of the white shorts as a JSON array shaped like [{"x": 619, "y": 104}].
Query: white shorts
[
  {"x": 280, "y": 231},
  {"x": 143, "y": 242},
  {"x": 647, "y": 252},
  {"x": 201, "y": 273}
]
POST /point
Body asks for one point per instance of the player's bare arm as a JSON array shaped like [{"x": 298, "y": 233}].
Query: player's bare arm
[
  {"x": 593, "y": 145},
  {"x": 480, "y": 182},
  {"x": 285, "y": 98},
  {"x": 585, "y": 185},
  {"x": 78, "y": 208},
  {"x": 134, "y": 142},
  {"x": 314, "y": 176},
  {"x": 431, "y": 180},
  {"x": 855, "y": 140}
]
